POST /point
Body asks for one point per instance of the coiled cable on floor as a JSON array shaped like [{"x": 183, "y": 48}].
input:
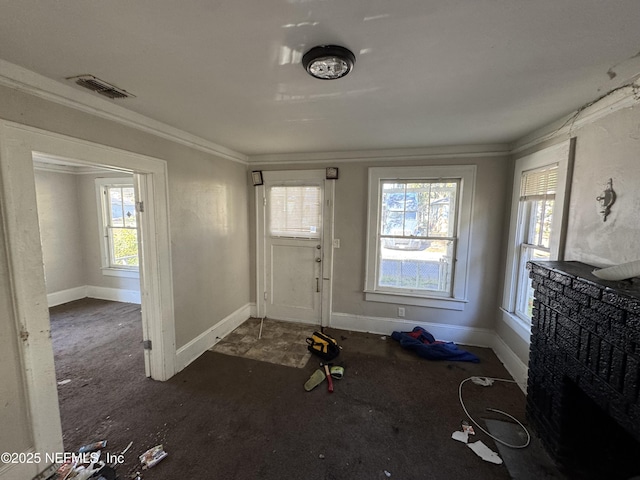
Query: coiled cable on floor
[{"x": 487, "y": 381}]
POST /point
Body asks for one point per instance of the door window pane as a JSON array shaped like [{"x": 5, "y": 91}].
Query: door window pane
[{"x": 295, "y": 211}]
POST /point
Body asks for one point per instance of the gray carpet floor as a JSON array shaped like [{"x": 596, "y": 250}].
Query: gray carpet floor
[{"x": 391, "y": 416}]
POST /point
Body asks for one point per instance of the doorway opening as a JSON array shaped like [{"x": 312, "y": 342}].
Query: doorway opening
[
  {"x": 18, "y": 146},
  {"x": 89, "y": 233}
]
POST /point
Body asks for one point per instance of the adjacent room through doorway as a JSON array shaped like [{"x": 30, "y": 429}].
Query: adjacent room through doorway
[{"x": 89, "y": 234}]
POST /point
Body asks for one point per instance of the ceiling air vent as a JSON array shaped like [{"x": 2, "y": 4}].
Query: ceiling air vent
[{"x": 100, "y": 86}]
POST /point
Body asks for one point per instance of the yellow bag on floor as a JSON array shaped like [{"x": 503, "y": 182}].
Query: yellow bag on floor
[{"x": 323, "y": 345}]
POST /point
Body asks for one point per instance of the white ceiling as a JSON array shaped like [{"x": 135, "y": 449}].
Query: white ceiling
[{"x": 428, "y": 72}]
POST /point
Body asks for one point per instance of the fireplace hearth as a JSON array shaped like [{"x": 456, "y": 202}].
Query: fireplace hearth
[{"x": 584, "y": 370}]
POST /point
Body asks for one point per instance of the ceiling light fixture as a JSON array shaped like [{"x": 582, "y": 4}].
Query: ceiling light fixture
[{"x": 328, "y": 62}]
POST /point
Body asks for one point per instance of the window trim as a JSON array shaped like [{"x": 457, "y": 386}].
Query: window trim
[
  {"x": 467, "y": 175},
  {"x": 562, "y": 155},
  {"x": 105, "y": 267}
]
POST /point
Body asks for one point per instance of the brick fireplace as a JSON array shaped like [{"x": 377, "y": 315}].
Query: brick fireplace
[{"x": 584, "y": 370}]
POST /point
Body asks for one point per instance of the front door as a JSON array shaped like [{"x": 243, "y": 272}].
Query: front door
[{"x": 293, "y": 240}]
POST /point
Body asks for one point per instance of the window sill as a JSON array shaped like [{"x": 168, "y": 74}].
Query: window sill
[
  {"x": 120, "y": 272},
  {"x": 517, "y": 324},
  {"x": 433, "y": 302}
]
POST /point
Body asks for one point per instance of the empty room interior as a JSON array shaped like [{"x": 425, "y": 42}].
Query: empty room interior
[{"x": 193, "y": 195}]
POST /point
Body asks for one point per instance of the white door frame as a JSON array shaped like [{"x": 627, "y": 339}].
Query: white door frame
[
  {"x": 24, "y": 251},
  {"x": 327, "y": 237}
]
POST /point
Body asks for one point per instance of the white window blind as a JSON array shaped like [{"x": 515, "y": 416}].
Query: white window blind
[
  {"x": 539, "y": 184},
  {"x": 295, "y": 211}
]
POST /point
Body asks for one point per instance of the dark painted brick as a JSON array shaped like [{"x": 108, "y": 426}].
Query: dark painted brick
[
  {"x": 603, "y": 327},
  {"x": 583, "y": 352},
  {"x": 572, "y": 305},
  {"x": 622, "y": 301},
  {"x": 569, "y": 324},
  {"x": 604, "y": 361},
  {"x": 617, "y": 369},
  {"x": 560, "y": 278},
  {"x": 588, "y": 289},
  {"x": 585, "y": 321},
  {"x": 633, "y": 322},
  {"x": 630, "y": 389},
  {"x": 538, "y": 270},
  {"x": 555, "y": 286},
  {"x": 594, "y": 352},
  {"x": 581, "y": 298},
  {"x": 608, "y": 310}
]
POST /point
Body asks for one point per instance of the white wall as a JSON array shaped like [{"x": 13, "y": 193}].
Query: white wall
[
  {"x": 70, "y": 236},
  {"x": 60, "y": 230},
  {"x": 608, "y": 147}
]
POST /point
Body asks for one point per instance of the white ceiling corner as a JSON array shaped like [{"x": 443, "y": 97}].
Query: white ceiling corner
[{"x": 225, "y": 77}]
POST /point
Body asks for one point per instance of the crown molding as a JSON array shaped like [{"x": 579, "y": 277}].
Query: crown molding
[
  {"x": 19, "y": 78},
  {"x": 464, "y": 151},
  {"x": 45, "y": 166},
  {"x": 566, "y": 126}
]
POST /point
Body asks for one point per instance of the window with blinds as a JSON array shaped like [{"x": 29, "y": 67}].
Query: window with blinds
[
  {"x": 537, "y": 202},
  {"x": 295, "y": 211},
  {"x": 538, "y": 184}
]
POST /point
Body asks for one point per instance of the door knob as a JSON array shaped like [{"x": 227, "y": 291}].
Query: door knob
[
  {"x": 318, "y": 247},
  {"x": 318, "y": 259}
]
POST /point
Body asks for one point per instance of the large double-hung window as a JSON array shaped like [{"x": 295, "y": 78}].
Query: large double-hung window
[
  {"x": 536, "y": 228},
  {"x": 118, "y": 226},
  {"x": 419, "y": 223}
]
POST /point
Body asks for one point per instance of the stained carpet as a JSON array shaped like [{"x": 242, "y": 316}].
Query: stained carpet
[{"x": 391, "y": 416}]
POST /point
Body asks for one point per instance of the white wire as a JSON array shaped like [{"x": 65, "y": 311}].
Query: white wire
[{"x": 526, "y": 444}]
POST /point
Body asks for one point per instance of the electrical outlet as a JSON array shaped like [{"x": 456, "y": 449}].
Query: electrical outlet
[{"x": 401, "y": 311}]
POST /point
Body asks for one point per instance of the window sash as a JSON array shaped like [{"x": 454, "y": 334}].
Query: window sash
[
  {"x": 112, "y": 226},
  {"x": 407, "y": 273}
]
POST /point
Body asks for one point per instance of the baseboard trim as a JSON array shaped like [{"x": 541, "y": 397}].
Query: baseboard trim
[
  {"x": 207, "y": 339},
  {"x": 113, "y": 294},
  {"x": 516, "y": 367},
  {"x": 65, "y": 296},
  {"x": 478, "y": 337},
  {"x": 101, "y": 293}
]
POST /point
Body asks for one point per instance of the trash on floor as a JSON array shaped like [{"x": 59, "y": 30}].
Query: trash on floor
[
  {"x": 92, "y": 447},
  {"x": 485, "y": 452},
  {"x": 72, "y": 470},
  {"x": 387, "y": 473},
  {"x": 467, "y": 428},
  {"x": 152, "y": 456},
  {"x": 64, "y": 382},
  {"x": 482, "y": 381},
  {"x": 337, "y": 372},
  {"x": 315, "y": 379},
  {"x": 426, "y": 346},
  {"x": 126, "y": 448},
  {"x": 460, "y": 436}
]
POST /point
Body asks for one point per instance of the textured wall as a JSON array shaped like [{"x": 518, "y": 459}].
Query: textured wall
[
  {"x": 351, "y": 196},
  {"x": 60, "y": 230},
  {"x": 608, "y": 148}
]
